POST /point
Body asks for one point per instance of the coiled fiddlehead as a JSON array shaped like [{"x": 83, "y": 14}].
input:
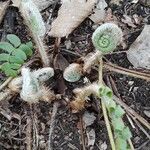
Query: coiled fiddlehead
[{"x": 106, "y": 37}]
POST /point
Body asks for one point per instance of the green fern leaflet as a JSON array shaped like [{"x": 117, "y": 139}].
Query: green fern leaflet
[{"x": 13, "y": 54}]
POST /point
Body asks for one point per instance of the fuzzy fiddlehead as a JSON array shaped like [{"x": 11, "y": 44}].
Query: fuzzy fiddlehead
[
  {"x": 106, "y": 37},
  {"x": 30, "y": 89},
  {"x": 73, "y": 72}
]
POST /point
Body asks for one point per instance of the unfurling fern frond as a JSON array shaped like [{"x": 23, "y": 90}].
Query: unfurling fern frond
[
  {"x": 13, "y": 54},
  {"x": 106, "y": 37}
]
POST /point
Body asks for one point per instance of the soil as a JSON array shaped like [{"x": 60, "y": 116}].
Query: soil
[{"x": 67, "y": 131}]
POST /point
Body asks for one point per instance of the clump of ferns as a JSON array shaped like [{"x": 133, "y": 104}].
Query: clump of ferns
[{"x": 105, "y": 40}]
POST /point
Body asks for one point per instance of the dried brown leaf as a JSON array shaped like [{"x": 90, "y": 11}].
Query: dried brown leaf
[
  {"x": 70, "y": 15},
  {"x": 60, "y": 62},
  {"x": 127, "y": 20},
  {"x": 99, "y": 12}
]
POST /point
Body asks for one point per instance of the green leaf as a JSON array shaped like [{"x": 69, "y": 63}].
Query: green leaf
[
  {"x": 13, "y": 39},
  {"x": 119, "y": 112},
  {"x": 121, "y": 144},
  {"x": 19, "y": 54},
  {"x": 6, "y": 47},
  {"x": 30, "y": 45},
  {"x": 26, "y": 49},
  {"x": 111, "y": 106},
  {"x": 9, "y": 69},
  {"x": 105, "y": 91},
  {"x": 13, "y": 59},
  {"x": 118, "y": 124},
  {"x": 4, "y": 57},
  {"x": 126, "y": 133},
  {"x": 15, "y": 66}
]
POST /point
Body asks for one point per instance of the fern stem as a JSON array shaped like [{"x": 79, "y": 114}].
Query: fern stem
[
  {"x": 131, "y": 145},
  {"x": 41, "y": 49},
  {"x": 108, "y": 127},
  {"x": 110, "y": 134}
]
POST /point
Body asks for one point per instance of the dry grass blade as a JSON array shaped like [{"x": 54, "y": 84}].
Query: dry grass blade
[{"x": 70, "y": 15}]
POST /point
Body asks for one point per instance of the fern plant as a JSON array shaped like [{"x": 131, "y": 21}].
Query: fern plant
[
  {"x": 121, "y": 132},
  {"x": 13, "y": 54}
]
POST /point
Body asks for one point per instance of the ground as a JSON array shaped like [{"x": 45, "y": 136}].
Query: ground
[{"x": 16, "y": 115}]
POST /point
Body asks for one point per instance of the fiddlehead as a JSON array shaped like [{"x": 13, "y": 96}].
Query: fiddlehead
[{"x": 106, "y": 37}]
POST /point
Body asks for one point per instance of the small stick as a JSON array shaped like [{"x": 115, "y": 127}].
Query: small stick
[
  {"x": 144, "y": 131},
  {"x": 28, "y": 134},
  {"x": 52, "y": 125},
  {"x": 100, "y": 71},
  {"x": 145, "y": 143},
  {"x": 128, "y": 72},
  {"x": 82, "y": 133},
  {"x": 5, "y": 83},
  {"x": 35, "y": 129}
]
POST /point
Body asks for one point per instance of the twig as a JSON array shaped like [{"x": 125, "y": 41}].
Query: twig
[
  {"x": 5, "y": 83},
  {"x": 35, "y": 129},
  {"x": 100, "y": 71},
  {"x": 141, "y": 128},
  {"x": 28, "y": 134},
  {"x": 82, "y": 133},
  {"x": 125, "y": 71},
  {"x": 52, "y": 125},
  {"x": 145, "y": 143}
]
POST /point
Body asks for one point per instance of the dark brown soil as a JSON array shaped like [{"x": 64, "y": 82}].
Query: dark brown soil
[{"x": 67, "y": 134}]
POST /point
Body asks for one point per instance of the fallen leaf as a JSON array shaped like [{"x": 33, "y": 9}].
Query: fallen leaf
[
  {"x": 3, "y": 7},
  {"x": 60, "y": 62},
  {"x": 16, "y": 3},
  {"x": 102, "y": 145},
  {"x": 127, "y": 20},
  {"x": 43, "y": 4},
  {"x": 139, "y": 52},
  {"x": 91, "y": 137},
  {"x": 88, "y": 119},
  {"x": 60, "y": 86},
  {"x": 116, "y": 2},
  {"x": 70, "y": 15},
  {"x": 99, "y": 12},
  {"x": 147, "y": 113}
]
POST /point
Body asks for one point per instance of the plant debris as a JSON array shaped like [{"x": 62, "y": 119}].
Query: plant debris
[{"x": 70, "y": 15}]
